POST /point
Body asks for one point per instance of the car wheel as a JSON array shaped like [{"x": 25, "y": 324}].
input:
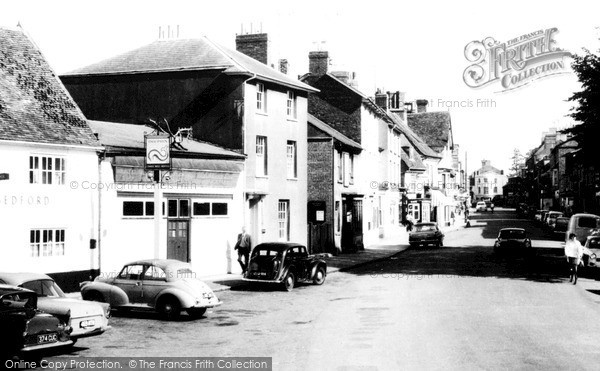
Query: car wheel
[
  {"x": 320, "y": 275},
  {"x": 170, "y": 308},
  {"x": 196, "y": 312},
  {"x": 94, "y": 296},
  {"x": 289, "y": 281}
]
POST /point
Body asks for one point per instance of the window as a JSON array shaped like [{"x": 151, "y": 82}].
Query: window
[
  {"x": 351, "y": 170},
  {"x": 46, "y": 170},
  {"x": 261, "y": 156},
  {"x": 155, "y": 274},
  {"x": 283, "y": 219},
  {"x": 261, "y": 98},
  {"x": 495, "y": 189},
  {"x": 291, "y": 104},
  {"x": 206, "y": 208},
  {"x": 132, "y": 272},
  {"x": 178, "y": 208},
  {"x": 292, "y": 166},
  {"x": 486, "y": 190},
  {"x": 340, "y": 168},
  {"x": 47, "y": 242},
  {"x": 139, "y": 208}
]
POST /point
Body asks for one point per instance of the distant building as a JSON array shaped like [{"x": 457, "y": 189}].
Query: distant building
[{"x": 488, "y": 182}]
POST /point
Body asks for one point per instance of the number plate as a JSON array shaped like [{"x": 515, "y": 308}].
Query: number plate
[
  {"x": 47, "y": 338},
  {"x": 87, "y": 323}
]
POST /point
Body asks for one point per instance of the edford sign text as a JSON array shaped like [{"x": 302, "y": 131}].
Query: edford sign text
[{"x": 514, "y": 63}]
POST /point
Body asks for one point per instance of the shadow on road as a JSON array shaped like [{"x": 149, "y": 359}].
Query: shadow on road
[{"x": 491, "y": 223}]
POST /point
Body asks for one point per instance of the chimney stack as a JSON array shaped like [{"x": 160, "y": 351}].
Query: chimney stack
[
  {"x": 381, "y": 99},
  {"x": 422, "y": 105},
  {"x": 318, "y": 62},
  {"x": 253, "y": 45}
]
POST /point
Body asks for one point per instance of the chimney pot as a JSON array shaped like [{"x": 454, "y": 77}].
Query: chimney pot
[
  {"x": 422, "y": 105},
  {"x": 318, "y": 62},
  {"x": 254, "y": 45}
]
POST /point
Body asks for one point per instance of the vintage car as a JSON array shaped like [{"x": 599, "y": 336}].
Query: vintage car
[
  {"x": 24, "y": 327},
  {"x": 286, "y": 264},
  {"x": 85, "y": 318},
  {"x": 513, "y": 240},
  {"x": 561, "y": 225},
  {"x": 424, "y": 234},
  {"x": 165, "y": 285},
  {"x": 481, "y": 206},
  {"x": 551, "y": 218}
]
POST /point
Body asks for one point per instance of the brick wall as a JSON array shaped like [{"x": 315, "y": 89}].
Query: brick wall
[
  {"x": 253, "y": 45},
  {"x": 320, "y": 174}
]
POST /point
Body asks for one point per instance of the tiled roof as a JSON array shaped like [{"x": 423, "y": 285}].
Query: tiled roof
[
  {"x": 187, "y": 55},
  {"x": 312, "y": 120},
  {"x": 131, "y": 136},
  {"x": 413, "y": 138},
  {"x": 34, "y": 105},
  {"x": 433, "y": 127}
]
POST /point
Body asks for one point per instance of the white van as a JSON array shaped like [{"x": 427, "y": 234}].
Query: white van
[
  {"x": 582, "y": 225},
  {"x": 481, "y": 206}
]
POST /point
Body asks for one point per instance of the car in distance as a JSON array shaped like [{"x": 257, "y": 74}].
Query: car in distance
[
  {"x": 24, "y": 327},
  {"x": 481, "y": 206},
  {"x": 551, "y": 218},
  {"x": 512, "y": 240},
  {"x": 165, "y": 285},
  {"x": 286, "y": 264},
  {"x": 582, "y": 225},
  {"x": 591, "y": 250},
  {"x": 85, "y": 318},
  {"x": 424, "y": 234}
]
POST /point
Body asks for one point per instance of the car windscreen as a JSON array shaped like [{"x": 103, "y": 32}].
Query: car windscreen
[
  {"x": 264, "y": 252},
  {"x": 425, "y": 228},
  {"x": 44, "y": 288},
  {"x": 512, "y": 234},
  {"x": 18, "y": 300},
  {"x": 587, "y": 222}
]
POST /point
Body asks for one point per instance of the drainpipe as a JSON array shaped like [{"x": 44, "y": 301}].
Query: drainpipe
[
  {"x": 245, "y": 203},
  {"x": 99, "y": 236}
]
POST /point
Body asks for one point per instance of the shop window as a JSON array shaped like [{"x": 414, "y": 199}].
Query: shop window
[
  {"x": 210, "y": 208},
  {"x": 219, "y": 208},
  {"x": 46, "y": 170},
  {"x": 47, "y": 242}
]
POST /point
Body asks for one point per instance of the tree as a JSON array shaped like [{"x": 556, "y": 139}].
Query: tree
[
  {"x": 587, "y": 110},
  {"x": 517, "y": 161}
]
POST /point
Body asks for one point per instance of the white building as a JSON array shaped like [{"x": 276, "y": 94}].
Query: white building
[
  {"x": 48, "y": 157},
  {"x": 488, "y": 182}
]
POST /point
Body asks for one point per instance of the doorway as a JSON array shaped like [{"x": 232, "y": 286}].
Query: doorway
[{"x": 178, "y": 238}]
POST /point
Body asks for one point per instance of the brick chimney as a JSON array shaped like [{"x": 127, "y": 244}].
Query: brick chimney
[
  {"x": 253, "y": 45},
  {"x": 283, "y": 66},
  {"x": 422, "y": 105},
  {"x": 318, "y": 62},
  {"x": 381, "y": 99},
  {"x": 485, "y": 163}
]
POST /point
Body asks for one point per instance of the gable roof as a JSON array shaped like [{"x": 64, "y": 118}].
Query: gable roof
[
  {"x": 433, "y": 127},
  {"x": 34, "y": 104},
  {"x": 187, "y": 55},
  {"x": 413, "y": 138},
  {"x": 312, "y": 120},
  {"x": 414, "y": 163},
  {"x": 131, "y": 136}
]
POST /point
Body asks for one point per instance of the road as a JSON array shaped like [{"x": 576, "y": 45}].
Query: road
[{"x": 456, "y": 307}]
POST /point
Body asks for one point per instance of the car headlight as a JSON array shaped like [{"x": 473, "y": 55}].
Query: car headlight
[{"x": 593, "y": 256}]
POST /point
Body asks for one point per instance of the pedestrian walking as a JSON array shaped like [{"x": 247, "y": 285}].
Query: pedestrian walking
[
  {"x": 243, "y": 247},
  {"x": 410, "y": 221},
  {"x": 574, "y": 253},
  {"x": 492, "y": 207}
]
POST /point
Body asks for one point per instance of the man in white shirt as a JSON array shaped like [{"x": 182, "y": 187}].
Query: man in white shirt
[{"x": 574, "y": 253}]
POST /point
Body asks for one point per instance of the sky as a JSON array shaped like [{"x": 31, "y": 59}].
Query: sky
[{"x": 414, "y": 47}]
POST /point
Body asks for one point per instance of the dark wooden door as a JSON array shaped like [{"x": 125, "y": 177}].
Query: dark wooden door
[{"x": 178, "y": 238}]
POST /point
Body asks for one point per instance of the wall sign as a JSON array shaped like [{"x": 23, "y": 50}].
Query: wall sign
[{"x": 158, "y": 154}]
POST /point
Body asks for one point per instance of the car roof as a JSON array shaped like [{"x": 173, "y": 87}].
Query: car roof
[
  {"x": 280, "y": 246},
  {"x": 586, "y": 215},
  {"x": 19, "y": 278},
  {"x": 513, "y": 229},
  {"x": 161, "y": 263},
  {"x": 10, "y": 289}
]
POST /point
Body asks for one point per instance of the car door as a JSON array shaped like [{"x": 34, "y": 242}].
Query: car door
[
  {"x": 154, "y": 281},
  {"x": 130, "y": 281}
]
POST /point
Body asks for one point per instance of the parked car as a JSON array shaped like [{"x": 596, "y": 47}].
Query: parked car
[
  {"x": 424, "y": 234},
  {"x": 165, "y": 285},
  {"x": 286, "y": 264},
  {"x": 561, "y": 224},
  {"x": 85, "y": 318},
  {"x": 551, "y": 218},
  {"x": 481, "y": 206},
  {"x": 498, "y": 200},
  {"x": 582, "y": 225},
  {"x": 538, "y": 216},
  {"x": 513, "y": 240},
  {"x": 591, "y": 250},
  {"x": 24, "y": 327}
]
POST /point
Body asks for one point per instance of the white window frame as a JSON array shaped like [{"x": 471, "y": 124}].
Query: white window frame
[
  {"x": 292, "y": 105},
  {"x": 261, "y": 98},
  {"x": 283, "y": 220},
  {"x": 45, "y": 169},
  {"x": 291, "y": 159},
  {"x": 46, "y": 242},
  {"x": 262, "y": 159},
  {"x": 340, "y": 166}
]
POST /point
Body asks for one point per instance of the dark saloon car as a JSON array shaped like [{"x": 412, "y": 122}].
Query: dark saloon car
[
  {"x": 24, "y": 327},
  {"x": 512, "y": 239},
  {"x": 424, "y": 234},
  {"x": 286, "y": 264}
]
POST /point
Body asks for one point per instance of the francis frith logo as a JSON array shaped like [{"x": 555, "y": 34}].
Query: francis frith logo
[{"x": 514, "y": 63}]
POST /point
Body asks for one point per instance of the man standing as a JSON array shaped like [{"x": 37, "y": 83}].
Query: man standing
[
  {"x": 243, "y": 247},
  {"x": 574, "y": 253}
]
